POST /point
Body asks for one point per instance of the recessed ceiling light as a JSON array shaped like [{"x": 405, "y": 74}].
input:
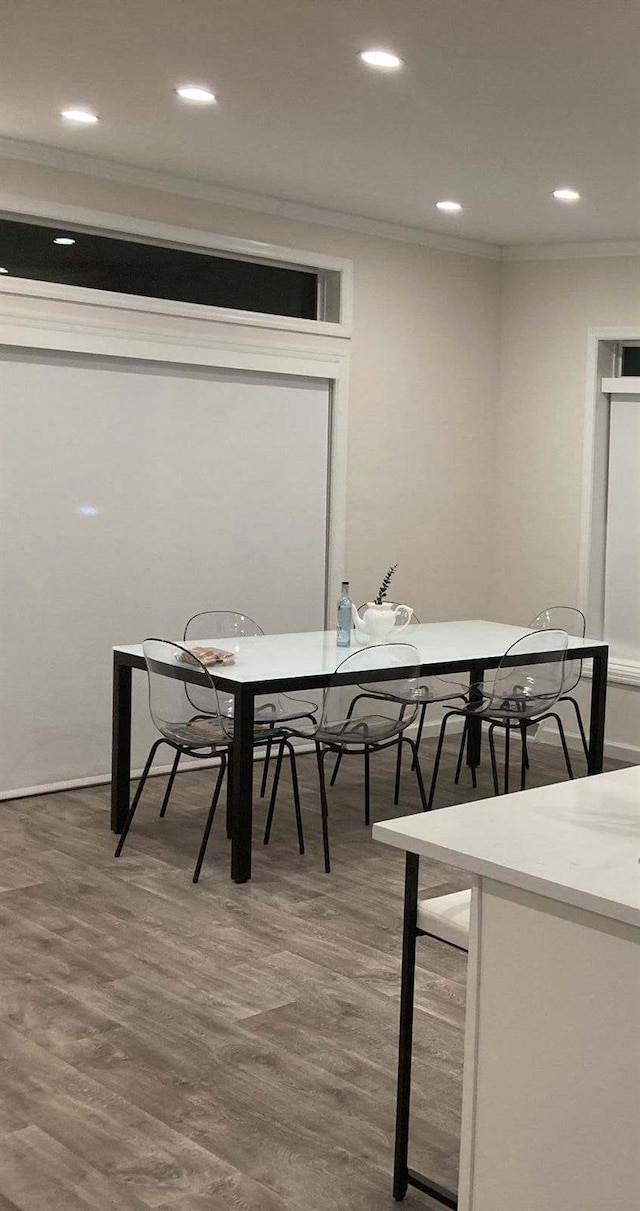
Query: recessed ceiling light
[
  {"x": 566, "y": 195},
  {"x": 450, "y": 207},
  {"x": 79, "y": 115},
  {"x": 63, "y": 239},
  {"x": 381, "y": 58},
  {"x": 196, "y": 93},
  {"x": 3, "y": 270}
]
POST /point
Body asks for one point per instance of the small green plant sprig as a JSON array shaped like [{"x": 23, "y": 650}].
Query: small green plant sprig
[{"x": 382, "y": 591}]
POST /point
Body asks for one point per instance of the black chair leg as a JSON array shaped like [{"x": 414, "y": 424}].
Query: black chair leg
[
  {"x": 172, "y": 775},
  {"x": 415, "y": 765},
  {"x": 296, "y": 793},
  {"x": 494, "y": 763},
  {"x": 367, "y": 785},
  {"x": 212, "y": 812},
  {"x": 136, "y": 798},
  {"x": 580, "y": 725},
  {"x": 336, "y": 767},
  {"x": 563, "y": 742},
  {"x": 461, "y": 751},
  {"x": 436, "y": 764},
  {"x": 423, "y": 712},
  {"x": 265, "y": 770},
  {"x": 323, "y": 806},
  {"x": 274, "y": 794}
]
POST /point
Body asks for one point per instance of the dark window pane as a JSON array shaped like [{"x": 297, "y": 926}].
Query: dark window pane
[
  {"x": 631, "y": 360},
  {"x": 28, "y": 250}
]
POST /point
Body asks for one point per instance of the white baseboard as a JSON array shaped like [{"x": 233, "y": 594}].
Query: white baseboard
[
  {"x": 549, "y": 735},
  {"x": 70, "y": 784},
  {"x": 612, "y": 748}
]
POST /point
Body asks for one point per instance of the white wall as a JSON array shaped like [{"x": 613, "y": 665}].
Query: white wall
[
  {"x": 547, "y": 308},
  {"x": 423, "y": 367},
  {"x": 466, "y": 406}
]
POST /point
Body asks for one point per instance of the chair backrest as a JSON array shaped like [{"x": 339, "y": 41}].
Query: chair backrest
[
  {"x": 220, "y": 624},
  {"x": 394, "y": 696},
  {"x": 441, "y": 686},
  {"x": 217, "y": 628},
  {"x": 571, "y": 620},
  {"x": 169, "y": 706},
  {"x": 530, "y": 676}
]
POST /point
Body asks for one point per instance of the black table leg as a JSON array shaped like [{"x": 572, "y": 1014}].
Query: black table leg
[
  {"x": 474, "y": 730},
  {"x": 598, "y": 704},
  {"x": 229, "y": 791},
  {"x": 242, "y": 785},
  {"x": 120, "y": 743}
]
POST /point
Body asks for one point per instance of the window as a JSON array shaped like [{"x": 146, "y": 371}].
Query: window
[
  {"x": 630, "y": 360},
  {"x": 611, "y": 517},
  {"x": 622, "y": 560},
  {"x": 154, "y": 270}
]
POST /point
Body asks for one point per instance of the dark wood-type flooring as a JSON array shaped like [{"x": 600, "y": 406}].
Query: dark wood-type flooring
[{"x": 218, "y": 1048}]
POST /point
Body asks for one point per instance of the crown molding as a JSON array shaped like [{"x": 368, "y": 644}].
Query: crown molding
[
  {"x": 569, "y": 251},
  {"x": 304, "y": 212},
  {"x": 147, "y": 178}
]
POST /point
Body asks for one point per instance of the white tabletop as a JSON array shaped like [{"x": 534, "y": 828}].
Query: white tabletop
[
  {"x": 578, "y": 842},
  {"x": 263, "y": 658}
]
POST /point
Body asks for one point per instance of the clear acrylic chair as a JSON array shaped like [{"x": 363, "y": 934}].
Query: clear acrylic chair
[
  {"x": 203, "y": 731},
  {"x": 222, "y": 628},
  {"x": 430, "y": 690},
  {"x": 379, "y": 719},
  {"x": 528, "y": 682},
  {"x": 573, "y": 621}
]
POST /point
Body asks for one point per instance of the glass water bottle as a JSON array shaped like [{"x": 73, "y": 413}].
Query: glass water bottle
[{"x": 343, "y": 633}]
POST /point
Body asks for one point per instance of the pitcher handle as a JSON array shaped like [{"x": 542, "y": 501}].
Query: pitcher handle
[{"x": 409, "y": 612}]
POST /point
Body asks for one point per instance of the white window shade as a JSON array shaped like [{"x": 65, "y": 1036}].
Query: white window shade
[
  {"x": 622, "y": 568},
  {"x": 133, "y": 494}
]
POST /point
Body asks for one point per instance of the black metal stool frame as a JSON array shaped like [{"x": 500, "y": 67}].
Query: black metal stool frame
[{"x": 403, "y": 1176}]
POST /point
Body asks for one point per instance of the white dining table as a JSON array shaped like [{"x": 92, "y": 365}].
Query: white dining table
[{"x": 308, "y": 660}]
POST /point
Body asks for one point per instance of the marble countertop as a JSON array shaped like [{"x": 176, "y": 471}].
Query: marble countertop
[{"x": 577, "y": 842}]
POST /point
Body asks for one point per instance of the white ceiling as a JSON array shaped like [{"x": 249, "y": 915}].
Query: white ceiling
[{"x": 500, "y": 102}]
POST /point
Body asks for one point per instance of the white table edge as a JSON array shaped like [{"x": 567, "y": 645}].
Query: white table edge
[
  {"x": 403, "y": 833},
  {"x": 603, "y": 907}
]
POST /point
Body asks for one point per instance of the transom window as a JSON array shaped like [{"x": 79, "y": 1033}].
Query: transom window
[{"x": 76, "y": 257}]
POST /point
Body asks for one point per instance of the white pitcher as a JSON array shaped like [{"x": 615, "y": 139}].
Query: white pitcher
[{"x": 379, "y": 623}]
